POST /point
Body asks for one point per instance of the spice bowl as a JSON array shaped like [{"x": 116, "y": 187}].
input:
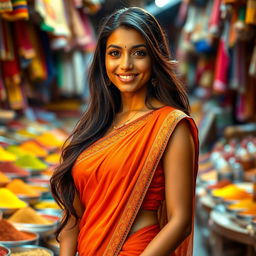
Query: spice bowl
[
  {"x": 8, "y": 211},
  {"x": 53, "y": 245},
  {"x": 32, "y": 250},
  {"x": 43, "y": 230},
  {"x": 4, "y": 251},
  {"x": 30, "y": 199},
  {"x": 33, "y": 240}
]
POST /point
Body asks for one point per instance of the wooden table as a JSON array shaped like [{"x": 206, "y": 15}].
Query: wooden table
[{"x": 222, "y": 226}]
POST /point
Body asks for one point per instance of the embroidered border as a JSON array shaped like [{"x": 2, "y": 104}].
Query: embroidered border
[
  {"x": 108, "y": 140},
  {"x": 136, "y": 198}
]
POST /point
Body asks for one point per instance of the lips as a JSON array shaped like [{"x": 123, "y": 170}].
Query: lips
[{"x": 126, "y": 77}]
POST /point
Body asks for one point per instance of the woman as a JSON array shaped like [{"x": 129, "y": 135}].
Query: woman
[{"x": 127, "y": 177}]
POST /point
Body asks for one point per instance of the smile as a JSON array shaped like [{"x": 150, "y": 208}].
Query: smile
[{"x": 127, "y": 78}]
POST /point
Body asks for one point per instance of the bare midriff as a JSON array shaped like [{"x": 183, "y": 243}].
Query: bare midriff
[{"x": 143, "y": 219}]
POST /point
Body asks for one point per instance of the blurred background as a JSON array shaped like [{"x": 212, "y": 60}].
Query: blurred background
[{"x": 45, "y": 51}]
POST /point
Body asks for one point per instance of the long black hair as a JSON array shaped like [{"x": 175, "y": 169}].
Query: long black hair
[{"x": 105, "y": 101}]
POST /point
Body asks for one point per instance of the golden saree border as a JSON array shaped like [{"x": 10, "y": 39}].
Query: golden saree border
[
  {"x": 136, "y": 198},
  {"x": 106, "y": 141}
]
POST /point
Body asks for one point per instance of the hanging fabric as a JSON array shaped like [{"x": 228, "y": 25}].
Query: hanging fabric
[
  {"x": 251, "y": 12},
  {"x": 5, "y": 6},
  {"x": 19, "y": 11}
]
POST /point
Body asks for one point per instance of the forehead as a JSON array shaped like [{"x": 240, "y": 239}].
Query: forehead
[{"x": 125, "y": 37}]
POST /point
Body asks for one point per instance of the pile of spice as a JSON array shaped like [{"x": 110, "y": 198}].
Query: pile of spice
[
  {"x": 231, "y": 192},
  {"x": 29, "y": 216},
  {"x": 47, "y": 205},
  {"x": 10, "y": 168},
  {"x": 17, "y": 150},
  {"x": 19, "y": 187},
  {"x": 3, "y": 178},
  {"x": 6, "y": 156},
  {"x": 34, "y": 148},
  {"x": 49, "y": 140},
  {"x": 31, "y": 162},
  {"x": 32, "y": 252},
  {"x": 9, "y": 233},
  {"x": 9, "y": 200},
  {"x": 243, "y": 204},
  {"x": 220, "y": 184},
  {"x": 53, "y": 158},
  {"x": 3, "y": 252}
]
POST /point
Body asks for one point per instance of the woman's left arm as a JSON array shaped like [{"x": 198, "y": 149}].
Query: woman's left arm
[{"x": 178, "y": 163}]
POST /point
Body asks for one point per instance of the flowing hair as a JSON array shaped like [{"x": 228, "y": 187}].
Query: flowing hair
[{"x": 105, "y": 100}]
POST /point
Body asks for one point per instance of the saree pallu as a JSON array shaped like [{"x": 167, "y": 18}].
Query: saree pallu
[{"x": 113, "y": 175}]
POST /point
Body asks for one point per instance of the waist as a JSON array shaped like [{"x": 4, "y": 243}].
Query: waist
[{"x": 143, "y": 219}]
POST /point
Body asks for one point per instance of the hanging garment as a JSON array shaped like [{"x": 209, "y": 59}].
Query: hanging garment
[
  {"x": 112, "y": 178},
  {"x": 5, "y": 6},
  {"x": 19, "y": 11},
  {"x": 23, "y": 42},
  {"x": 251, "y": 12},
  {"x": 54, "y": 16},
  {"x": 252, "y": 69},
  {"x": 6, "y": 43},
  {"x": 220, "y": 84},
  {"x": 214, "y": 22}
]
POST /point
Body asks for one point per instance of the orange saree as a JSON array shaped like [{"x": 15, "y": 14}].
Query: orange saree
[{"x": 112, "y": 177}]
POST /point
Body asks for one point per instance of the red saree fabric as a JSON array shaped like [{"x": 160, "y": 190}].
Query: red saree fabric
[{"x": 113, "y": 175}]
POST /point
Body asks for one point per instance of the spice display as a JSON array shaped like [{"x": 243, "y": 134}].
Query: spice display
[
  {"x": 243, "y": 204},
  {"x": 250, "y": 211},
  {"x": 3, "y": 178},
  {"x": 19, "y": 187},
  {"x": 53, "y": 158},
  {"x": 231, "y": 192},
  {"x": 38, "y": 188},
  {"x": 9, "y": 200},
  {"x": 29, "y": 216},
  {"x": 26, "y": 133},
  {"x": 6, "y": 156},
  {"x": 32, "y": 252},
  {"x": 220, "y": 184},
  {"x": 46, "y": 205},
  {"x": 17, "y": 150},
  {"x": 3, "y": 252},
  {"x": 9, "y": 233},
  {"x": 34, "y": 149},
  {"x": 49, "y": 140},
  {"x": 31, "y": 162},
  {"x": 12, "y": 168}
]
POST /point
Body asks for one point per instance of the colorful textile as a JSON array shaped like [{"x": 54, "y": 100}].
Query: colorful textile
[
  {"x": 19, "y": 11},
  {"x": 5, "y": 6},
  {"x": 251, "y": 12},
  {"x": 6, "y": 42},
  {"x": 23, "y": 42},
  {"x": 138, "y": 241},
  {"x": 54, "y": 16},
  {"x": 113, "y": 175},
  {"x": 215, "y": 17}
]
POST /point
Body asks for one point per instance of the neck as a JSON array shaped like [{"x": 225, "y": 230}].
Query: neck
[{"x": 133, "y": 102}]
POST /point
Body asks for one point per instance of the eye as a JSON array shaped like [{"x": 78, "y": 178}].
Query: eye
[
  {"x": 114, "y": 53},
  {"x": 140, "y": 53}
]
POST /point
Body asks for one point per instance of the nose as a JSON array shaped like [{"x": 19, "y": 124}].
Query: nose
[{"x": 126, "y": 62}]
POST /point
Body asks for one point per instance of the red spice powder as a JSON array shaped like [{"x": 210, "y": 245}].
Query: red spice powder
[
  {"x": 3, "y": 252},
  {"x": 9, "y": 167},
  {"x": 9, "y": 233}
]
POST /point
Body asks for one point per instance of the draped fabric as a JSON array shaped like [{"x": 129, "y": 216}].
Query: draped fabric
[{"x": 112, "y": 177}]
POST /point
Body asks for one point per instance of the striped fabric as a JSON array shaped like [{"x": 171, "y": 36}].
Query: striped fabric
[
  {"x": 5, "y": 6},
  {"x": 19, "y": 11}
]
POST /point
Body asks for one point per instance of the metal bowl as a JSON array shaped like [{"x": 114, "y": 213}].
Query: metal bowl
[
  {"x": 33, "y": 240},
  {"x": 28, "y": 248},
  {"x": 30, "y": 199},
  {"x": 9, "y": 211},
  {"x": 5, "y": 249},
  {"x": 53, "y": 246},
  {"x": 43, "y": 230}
]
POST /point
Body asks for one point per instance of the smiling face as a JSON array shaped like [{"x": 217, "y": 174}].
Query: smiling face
[{"x": 127, "y": 61}]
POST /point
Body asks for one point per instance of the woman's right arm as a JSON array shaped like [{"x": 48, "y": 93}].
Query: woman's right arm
[{"x": 69, "y": 234}]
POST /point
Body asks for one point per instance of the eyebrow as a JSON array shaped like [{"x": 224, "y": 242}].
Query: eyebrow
[{"x": 133, "y": 47}]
